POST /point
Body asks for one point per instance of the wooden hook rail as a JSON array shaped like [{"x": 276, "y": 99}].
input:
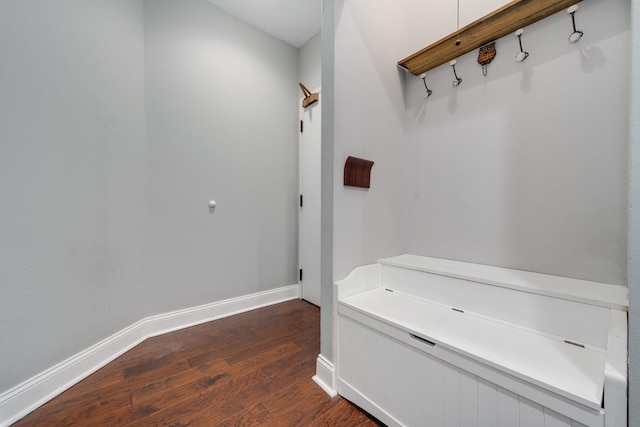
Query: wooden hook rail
[{"x": 497, "y": 24}]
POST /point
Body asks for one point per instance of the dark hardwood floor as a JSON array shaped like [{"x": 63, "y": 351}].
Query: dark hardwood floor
[{"x": 250, "y": 369}]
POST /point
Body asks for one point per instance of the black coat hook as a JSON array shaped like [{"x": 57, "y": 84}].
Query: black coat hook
[
  {"x": 428, "y": 93},
  {"x": 458, "y": 80},
  {"x": 576, "y": 35},
  {"x": 522, "y": 55}
]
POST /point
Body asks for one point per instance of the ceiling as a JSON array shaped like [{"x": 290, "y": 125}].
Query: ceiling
[{"x": 294, "y": 21}]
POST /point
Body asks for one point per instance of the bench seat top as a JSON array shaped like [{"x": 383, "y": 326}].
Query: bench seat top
[{"x": 575, "y": 372}]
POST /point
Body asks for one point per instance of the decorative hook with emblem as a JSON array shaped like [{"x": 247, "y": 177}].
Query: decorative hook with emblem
[{"x": 486, "y": 55}]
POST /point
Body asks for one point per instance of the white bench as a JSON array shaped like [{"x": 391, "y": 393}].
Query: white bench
[{"x": 431, "y": 342}]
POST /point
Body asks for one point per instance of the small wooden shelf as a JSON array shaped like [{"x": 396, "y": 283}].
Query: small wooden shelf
[
  {"x": 497, "y": 24},
  {"x": 357, "y": 172}
]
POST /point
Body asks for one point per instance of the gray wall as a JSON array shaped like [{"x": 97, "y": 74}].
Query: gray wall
[
  {"x": 104, "y": 217},
  {"x": 362, "y": 116},
  {"x": 634, "y": 221},
  {"x": 368, "y": 123},
  {"x": 310, "y": 62},
  {"x": 221, "y": 106},
  {"x": 326, "y": 178},
  {"x": 72, "y": 146},
  {"x": 526, "y": 168}
]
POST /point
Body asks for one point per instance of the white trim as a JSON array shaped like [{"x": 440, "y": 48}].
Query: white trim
[
  {"x": 353, "y": 395},
  {"x": 584, "y": 291},
  {"x": 325, "y": 376},
  {"x": 17, "y": 402}
]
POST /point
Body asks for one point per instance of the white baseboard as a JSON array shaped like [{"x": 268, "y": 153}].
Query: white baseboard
[
  {"x": 24, "y": 398},
  {"x": 325, "y": 376}
]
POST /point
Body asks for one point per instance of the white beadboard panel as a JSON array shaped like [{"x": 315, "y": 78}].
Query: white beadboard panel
[
  {"x": 531, "y": 414},
  {"x": 362, "y": 371},
  {"x": 508, "y": 408},
  {"x": 468, "y": 400},
  {"x": 349, "y": 343},
  {"x": 403, "y": 405},
  {"x": 383, "y": 349},
  {"x": 394, "y": 383},
  {"x": 363, "y": 351},
  {"x": 451, "y": 396},
  {"x": 487, "y": 404},
  {"x": 419, "y": 392},
  {"x": 436, "y": 391},
  {"x": 422, "y": 385},
  {"x": 554, "y": 419}
]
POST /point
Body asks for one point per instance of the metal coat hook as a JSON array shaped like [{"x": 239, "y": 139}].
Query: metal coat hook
[
  {"x": 522, "y": 55},
  {"x": 458, "y": 80},
  {"x": 576, "y": 35},
  {"x": 428, "y": 93}
]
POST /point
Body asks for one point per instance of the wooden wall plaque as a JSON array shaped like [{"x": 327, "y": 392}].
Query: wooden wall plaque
[{"x": 357, "y": 172}]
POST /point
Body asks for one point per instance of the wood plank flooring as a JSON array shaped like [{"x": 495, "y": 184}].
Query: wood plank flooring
[{"x": 250, "y": 369}]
